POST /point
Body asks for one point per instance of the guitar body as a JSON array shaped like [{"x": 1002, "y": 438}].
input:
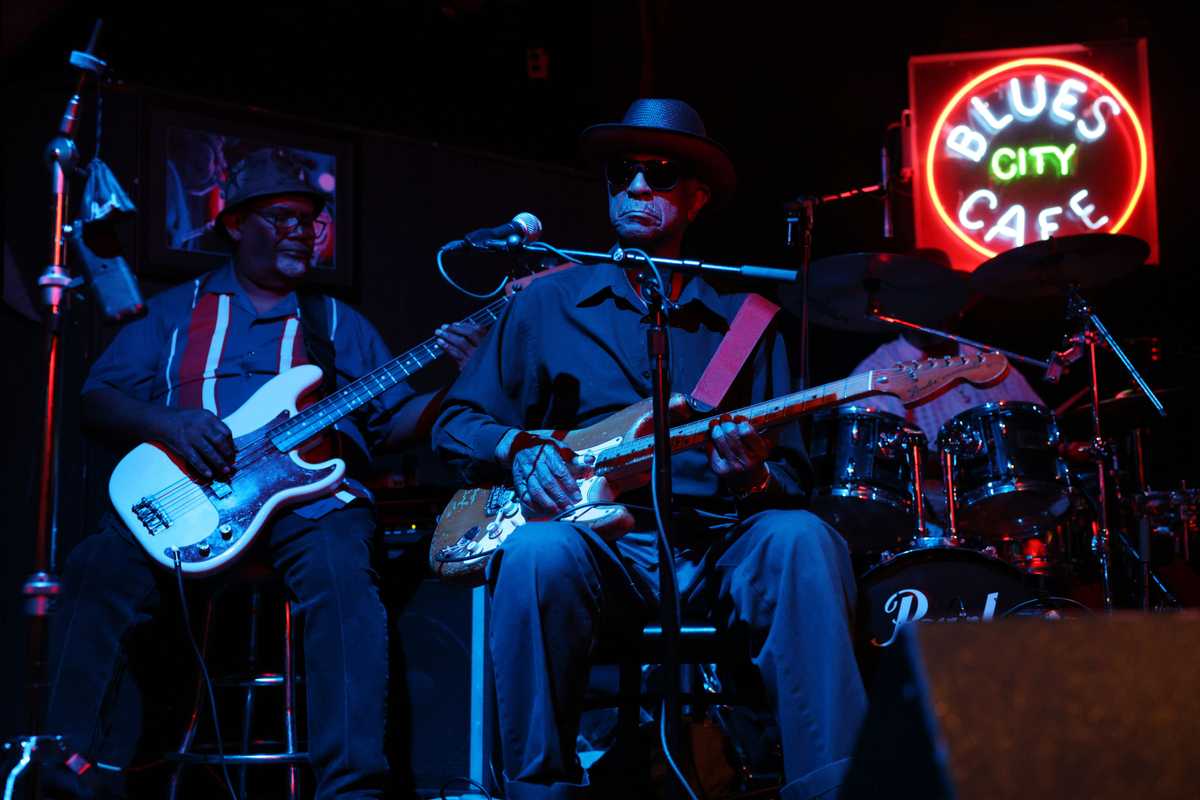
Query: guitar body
[
  {"x": 211, "y": 522},
  {"x": 479, "y": 519}
]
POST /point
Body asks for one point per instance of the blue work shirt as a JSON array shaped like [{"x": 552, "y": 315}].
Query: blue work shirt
[
  {"x": 570, "y": 350},
  {"x": 203, "y": 344}
]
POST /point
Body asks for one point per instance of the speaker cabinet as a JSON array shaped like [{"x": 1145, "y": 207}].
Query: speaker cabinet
[{"x": 1103, "y": 707}]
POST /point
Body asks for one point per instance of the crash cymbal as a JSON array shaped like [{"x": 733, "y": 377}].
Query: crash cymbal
[
  {"x": 1047, "y": 268},
  {"x": 906, "y": 287}
]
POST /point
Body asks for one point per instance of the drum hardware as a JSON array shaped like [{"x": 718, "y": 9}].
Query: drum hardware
[
  {"x": 1062, "y": 267},
  {"x": 1093, "y": 331}
]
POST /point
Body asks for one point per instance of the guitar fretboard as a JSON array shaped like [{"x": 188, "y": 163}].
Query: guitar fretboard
[
  {"x": 308, "y": 423},
  {"x": 761, "y": 415}
]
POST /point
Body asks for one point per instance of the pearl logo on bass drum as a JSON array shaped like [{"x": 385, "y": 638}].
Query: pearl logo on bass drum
[
  {"x": 936, "y": 584},
  {"x": 911, "y": 605}
]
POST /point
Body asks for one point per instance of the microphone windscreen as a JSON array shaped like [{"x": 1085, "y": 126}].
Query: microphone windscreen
[{"x": 530, "y": 224}]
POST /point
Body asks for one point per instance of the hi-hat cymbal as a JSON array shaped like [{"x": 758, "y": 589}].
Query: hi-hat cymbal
[
  {"x": 907, "y": 287},
  {"x": 1048, "y": 268}
]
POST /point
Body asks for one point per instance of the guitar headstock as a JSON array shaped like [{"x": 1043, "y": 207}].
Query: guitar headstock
[{"x": 912, "y": 381}]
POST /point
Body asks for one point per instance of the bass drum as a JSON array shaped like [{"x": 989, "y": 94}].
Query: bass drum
[{"x": 936, "y": 584}]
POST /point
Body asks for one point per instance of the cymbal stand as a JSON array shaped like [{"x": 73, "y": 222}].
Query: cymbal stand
[
  {"x": 1092, "y": 331},
  {"x": 874, "y": 312}
]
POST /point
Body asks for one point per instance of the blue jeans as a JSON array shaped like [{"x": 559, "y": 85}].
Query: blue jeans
[
  {"x": 110, "y": 586},
  {"x": 784, "y": 575}
]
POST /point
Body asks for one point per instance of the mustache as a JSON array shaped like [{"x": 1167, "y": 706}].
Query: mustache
[{"x": 649, "y": 211}]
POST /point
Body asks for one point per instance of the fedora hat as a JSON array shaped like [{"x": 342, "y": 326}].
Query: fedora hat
[
  {"x": 266, "y": 172},
  {"x": 670, "y": 128}
]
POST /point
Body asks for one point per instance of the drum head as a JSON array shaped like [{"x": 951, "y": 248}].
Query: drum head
[{"x": 936, "y": 584}]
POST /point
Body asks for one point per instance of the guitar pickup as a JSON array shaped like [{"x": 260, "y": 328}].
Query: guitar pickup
[{"x": 151, "y": 515}]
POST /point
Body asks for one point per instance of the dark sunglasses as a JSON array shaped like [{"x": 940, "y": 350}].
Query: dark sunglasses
[
  {"x": 661, "y": 174},
  {"x": 289, "y": 222}
]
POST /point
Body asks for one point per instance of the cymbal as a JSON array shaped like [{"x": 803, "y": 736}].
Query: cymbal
[
  {"x": 905, "y": 286},
  {"x": 1127, "y": 409},
  {"x": 1047, "y": 268}
]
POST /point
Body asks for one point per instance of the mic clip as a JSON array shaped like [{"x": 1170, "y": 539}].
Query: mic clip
[{"x": 1060, "y": 361}]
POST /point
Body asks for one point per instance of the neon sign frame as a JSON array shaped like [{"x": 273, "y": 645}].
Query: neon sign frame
[{"x": 941, "y": 88}]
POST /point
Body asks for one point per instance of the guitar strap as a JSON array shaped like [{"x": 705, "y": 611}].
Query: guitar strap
[
  {"x": 520, "y": 283},
  {"x": 318, "y": 343},
  {"x": 752, "y": 318}
]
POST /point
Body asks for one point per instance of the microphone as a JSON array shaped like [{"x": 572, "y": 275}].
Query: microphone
[{"x": 523, "y": 229}]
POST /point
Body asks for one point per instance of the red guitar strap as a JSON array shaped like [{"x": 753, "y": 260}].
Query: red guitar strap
[{"x": 744, "y": 332}]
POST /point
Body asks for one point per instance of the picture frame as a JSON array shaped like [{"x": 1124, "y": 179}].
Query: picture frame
[{"x": 187, "y": 156}]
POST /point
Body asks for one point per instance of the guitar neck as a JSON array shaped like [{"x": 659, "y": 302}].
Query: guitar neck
[
  {"x": 327, "y": 411},
  {"x": 766, "y": 414}
]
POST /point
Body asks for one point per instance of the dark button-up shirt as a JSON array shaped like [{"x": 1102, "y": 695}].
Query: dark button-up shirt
[
  {"x": 203, "y": 344},
  {"x": 570, "y": 350}
]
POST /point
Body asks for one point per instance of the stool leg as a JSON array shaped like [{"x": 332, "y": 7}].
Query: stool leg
[
  {"x": 189, "y": 735},
  {"x": 629, "y": 688},
  {"x": 289, "y": 699},
  {"x": 248, "y": 706}
]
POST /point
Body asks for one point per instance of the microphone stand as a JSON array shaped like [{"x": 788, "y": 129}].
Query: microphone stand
[
  {"x": 42, "y": 588},
  {"x": 799, "y": 212}
]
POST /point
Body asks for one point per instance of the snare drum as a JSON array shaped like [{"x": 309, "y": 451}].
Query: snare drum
[
  {"x": 936, "y": 584},
  {"x": 1008, "y": 479},
  {"x": 864, "y": 474}
]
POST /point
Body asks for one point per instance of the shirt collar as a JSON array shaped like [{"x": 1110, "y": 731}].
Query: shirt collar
[
  {"x": 610, "y": 279},
  {"x": 224, "y": 281}
]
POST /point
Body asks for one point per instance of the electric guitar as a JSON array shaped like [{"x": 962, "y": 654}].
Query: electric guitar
[
  {"x": 619, "y": 448},
  {"x": 209, "y": 522}
]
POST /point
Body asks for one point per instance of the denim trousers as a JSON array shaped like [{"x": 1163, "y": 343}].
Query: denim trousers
[
  {"x": 784, "y": 576},
  {"x": 110, "y": 586}
]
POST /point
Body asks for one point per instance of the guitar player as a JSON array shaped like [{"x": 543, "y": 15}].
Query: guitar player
[
  {"x": 202, "y": 350},
  {"x": 571, "y": 350}
]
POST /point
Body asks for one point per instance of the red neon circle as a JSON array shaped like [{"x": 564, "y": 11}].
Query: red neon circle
[{"x": 1025, "y": 62}]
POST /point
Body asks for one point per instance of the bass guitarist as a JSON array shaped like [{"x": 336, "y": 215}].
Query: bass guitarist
[
  {"x": 571, "y": 350},
  {"x": 203, "y": 349}
]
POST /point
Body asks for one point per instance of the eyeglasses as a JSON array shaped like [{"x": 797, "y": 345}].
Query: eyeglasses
[
  {"x": 661, "y": 174},
  {"x": 289, "y": 222}
]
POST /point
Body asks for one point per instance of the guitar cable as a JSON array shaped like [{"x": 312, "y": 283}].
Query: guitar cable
[{"x": 212, "y": 696}]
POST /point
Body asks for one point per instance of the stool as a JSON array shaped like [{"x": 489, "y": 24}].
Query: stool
[
  {"x": 699, "y": 644},
  {"x": 252, "y": 681}
]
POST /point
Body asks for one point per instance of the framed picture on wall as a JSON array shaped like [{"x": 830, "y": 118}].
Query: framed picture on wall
[{"x": 186, "y": 164}]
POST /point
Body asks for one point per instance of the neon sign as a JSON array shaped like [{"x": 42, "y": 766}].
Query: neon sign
[{"x": 1020, "y": 147}]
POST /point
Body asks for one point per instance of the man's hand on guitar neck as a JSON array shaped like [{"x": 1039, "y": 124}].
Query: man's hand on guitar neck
[
  {"x": 543, "y": 472},
  {"x": 460, "y": 340},
  {"x": 738, "y": 454}
]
